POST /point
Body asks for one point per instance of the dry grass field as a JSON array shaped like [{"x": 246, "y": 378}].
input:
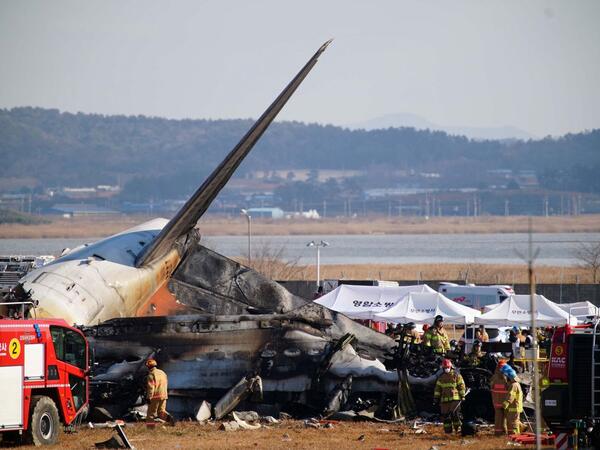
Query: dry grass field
[
  {"x": 473, "y": 273},
  {"x": 287, "y": 435},
  {"x": 236, "y": 226}
]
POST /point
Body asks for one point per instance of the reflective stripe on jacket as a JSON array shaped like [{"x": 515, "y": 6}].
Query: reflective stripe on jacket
[
  {"x": 449, "y": 387},
  {"x": 437, "y": 339},
  {"x": 157, "y": 385},
  {"x": 499, "y": 389},
  {"x": 474, "y": 358},
  {"x": 514, "y": 399}
]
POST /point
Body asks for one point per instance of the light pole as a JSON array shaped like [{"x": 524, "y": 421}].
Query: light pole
[
  {"x": 318, "y": 247},
  {"x": 249, "y": 218}
]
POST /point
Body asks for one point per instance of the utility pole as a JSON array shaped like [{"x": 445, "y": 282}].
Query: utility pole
[
  {"x": 531, "y": 256},
  {"x": 318, "y": 247},
  {"x": 506, "y": 211}
]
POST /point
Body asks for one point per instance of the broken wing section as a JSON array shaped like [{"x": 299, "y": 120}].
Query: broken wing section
[{"x": 212, "y": 283}]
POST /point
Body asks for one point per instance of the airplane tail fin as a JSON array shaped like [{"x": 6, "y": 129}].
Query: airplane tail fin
[{"x": 187, "y": 217}]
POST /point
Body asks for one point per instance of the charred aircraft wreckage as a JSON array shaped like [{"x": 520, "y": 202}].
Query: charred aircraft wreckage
[{"x": 221, "y": 331}]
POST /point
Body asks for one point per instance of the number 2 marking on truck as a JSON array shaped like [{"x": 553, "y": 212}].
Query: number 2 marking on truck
[{"x": 14, "y": 348}]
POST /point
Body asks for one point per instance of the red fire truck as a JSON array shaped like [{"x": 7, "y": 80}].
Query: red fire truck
[
  {"x": 44, "y": 373},
  {"x": 571, "y": 402}
]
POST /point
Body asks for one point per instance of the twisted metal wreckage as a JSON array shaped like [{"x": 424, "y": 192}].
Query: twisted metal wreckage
[{"x": 244, "y": 338}]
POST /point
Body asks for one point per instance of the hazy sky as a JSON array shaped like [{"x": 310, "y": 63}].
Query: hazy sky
[{"x": 531, "y": 64}]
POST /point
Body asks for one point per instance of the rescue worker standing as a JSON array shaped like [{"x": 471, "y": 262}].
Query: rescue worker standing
[
  {"x": 156, "y": 392},
  {"x": 481, "y": 335},
  {"x": 449, "y": 392},
  {"x": 513, "y": 405},
  {"x": 411, "y": 335},
  {"x": 474, "y": 357},
  {"x": 436, "y": 337},
  {"x": 499, "y": 388}
]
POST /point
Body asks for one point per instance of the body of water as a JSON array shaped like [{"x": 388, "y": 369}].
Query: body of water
[{"x": 554, "y": 248}]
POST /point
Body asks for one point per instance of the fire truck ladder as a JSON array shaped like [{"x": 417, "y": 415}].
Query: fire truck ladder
[{"x": 596, "y": 370}]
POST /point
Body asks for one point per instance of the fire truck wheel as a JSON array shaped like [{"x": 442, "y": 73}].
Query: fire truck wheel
[{"x": 45, "y": 423}]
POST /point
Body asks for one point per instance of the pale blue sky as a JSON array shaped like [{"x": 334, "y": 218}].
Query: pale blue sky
[{"x": 531, "y": 64}]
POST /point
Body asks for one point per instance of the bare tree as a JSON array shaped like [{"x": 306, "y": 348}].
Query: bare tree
[
  {"x": 588, "y": 254},
  {"x": 270, "y": 262}
]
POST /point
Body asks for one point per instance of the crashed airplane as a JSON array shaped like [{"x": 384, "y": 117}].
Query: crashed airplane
[{"x": 220, "y": 330}]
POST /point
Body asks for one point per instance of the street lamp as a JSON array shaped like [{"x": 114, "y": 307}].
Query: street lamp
[
  {"x": 249, "y": 217},
  {"x": 318, "y": 247}
]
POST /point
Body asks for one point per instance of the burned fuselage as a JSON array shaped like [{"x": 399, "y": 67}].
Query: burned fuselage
[{"x": 206, "y": 355}]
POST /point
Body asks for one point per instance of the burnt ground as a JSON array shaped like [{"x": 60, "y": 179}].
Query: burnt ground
[{"x": 289, "y": 434}]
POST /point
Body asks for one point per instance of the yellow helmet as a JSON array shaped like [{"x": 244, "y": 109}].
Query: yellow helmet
[{"x": 151, "y": 363}]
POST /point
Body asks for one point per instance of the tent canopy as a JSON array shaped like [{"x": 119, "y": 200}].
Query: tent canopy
[
  {"x": 516, "y": 309},
  {"x": 579, "y": 309},
  {"x": 488, "y": 308},
  {"x": 364, "y": 302},
  {"x": 421, "y": 307}
]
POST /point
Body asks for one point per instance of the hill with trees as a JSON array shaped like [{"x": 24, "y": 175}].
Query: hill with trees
[{"x": 169, "y": 158}]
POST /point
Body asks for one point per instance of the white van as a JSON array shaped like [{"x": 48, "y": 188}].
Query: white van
[{"x": 475, "y": 296}]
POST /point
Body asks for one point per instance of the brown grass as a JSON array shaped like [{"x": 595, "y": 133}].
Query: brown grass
[
  {"x": 473, "y": 273},
  {"x": 287, "y": 435},
  {"x": 217, "y": 226}
]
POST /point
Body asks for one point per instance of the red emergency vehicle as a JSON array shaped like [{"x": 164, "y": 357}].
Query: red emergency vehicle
[
  {"x": 44, "y": 374},
  {"x": 571, "y": 402}
]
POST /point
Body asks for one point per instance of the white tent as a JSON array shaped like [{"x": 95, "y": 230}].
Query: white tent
[
  {"x": 363, "y": 302},
  {"x": 421, "y": 307},
  {"x": 516, "y": 310},
  {"x": 488, "y": 308},
  {"x": 579, "y": 309}
]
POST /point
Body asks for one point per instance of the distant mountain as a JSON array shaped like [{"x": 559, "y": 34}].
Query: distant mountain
[{"x": 419, "y": 123}]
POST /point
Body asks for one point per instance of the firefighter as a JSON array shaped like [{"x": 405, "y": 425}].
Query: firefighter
[
  {"x": 411, "y": 335},
  {"x": 499, "y": 388},
  {"x": 513, "y": 405},
  {"x": 436, "y": 338},
  {"x": 481, "y": 335},
  {"x": 474, "y": 357},
  {"x": 449, "y": 392},
  {"x": 156, "y": 392}
]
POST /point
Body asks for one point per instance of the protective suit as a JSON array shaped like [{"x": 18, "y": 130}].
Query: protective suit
[
  {"x": 513, "y": 405},
  {"x": 499, "y": 388},
  {"x": 156, "y": 391},
  {"x": 449, "y": 392}
]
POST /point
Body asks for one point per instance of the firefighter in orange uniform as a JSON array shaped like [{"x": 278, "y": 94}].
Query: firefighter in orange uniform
[
  {"x": 156, "y": 392},
  {"x": 481, "y": 335},
  {"x": 513, "y": 405},
  {"x": 499, "y": 387},
  {"x": 449, "y": 392}
]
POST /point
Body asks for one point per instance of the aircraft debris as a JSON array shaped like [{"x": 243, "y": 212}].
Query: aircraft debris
[
  {"x": 119, "y": 441},
  {"x": 229, "y": 426},
  {"x": 236, "y": 394},
  {"x": 243, "y": 424},
  {"x": 204, "y": 412}
]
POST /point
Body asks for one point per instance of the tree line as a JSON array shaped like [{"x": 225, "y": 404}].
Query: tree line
[{"x": 162, "y": 158}]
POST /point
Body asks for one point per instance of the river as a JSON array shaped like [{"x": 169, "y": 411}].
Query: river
[{"x": 554, "y": 248}]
